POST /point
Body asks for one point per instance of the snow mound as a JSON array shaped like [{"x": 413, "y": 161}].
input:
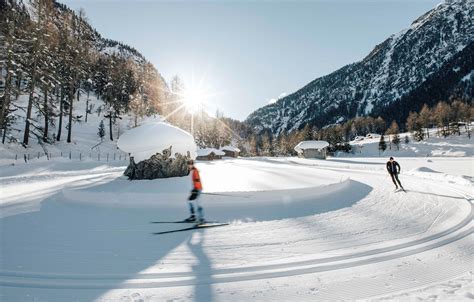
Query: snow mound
[
  {"x": 144, "y": 141},
  {"x": 311, "y": 145},
  {"x": 425, "y": 169},
  {"x": 427, "y": 173},
  {"x": 207, "y": 151}
]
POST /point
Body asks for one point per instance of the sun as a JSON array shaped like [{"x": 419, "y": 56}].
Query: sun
[{"x": 194, "y": 98}]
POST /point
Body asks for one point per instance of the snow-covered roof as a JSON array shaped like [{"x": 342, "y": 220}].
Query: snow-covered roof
[
  {"x": 373, "y": 135},
  {"x": 230, "y": 148},
  {"x": 144, "y": 141},
  {"x": 207, "y": 151},
  {"x": 311, "y": 145}
]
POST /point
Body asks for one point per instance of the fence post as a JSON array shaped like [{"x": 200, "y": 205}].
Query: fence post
[
  {"x": 61, "y": 153},
  {"x": 107, "y": 156},
  {"x": 70, "y": 155},
  {"x": 80, "y": 156},
  {"x": 24, "y": 157},
  {"x": 38, "y": 155},
  {"x": 16, "y": 157},
  {"x": 114, "y": 155}
]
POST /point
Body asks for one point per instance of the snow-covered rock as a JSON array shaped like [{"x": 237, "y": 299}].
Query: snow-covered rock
[{"x": 144, "y": 141}]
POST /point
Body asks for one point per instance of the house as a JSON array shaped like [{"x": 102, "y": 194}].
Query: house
[
  {"x": 231, "y": 151},
  {"x": 373, "y": 135},
  {"x": 209, "y": 154},
  {"x": 312, "y": 149}
]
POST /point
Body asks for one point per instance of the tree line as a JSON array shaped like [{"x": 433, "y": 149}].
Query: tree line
[{"x": 447, "y": 117}]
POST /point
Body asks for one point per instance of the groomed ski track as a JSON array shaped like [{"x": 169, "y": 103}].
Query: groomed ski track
[{"x": 430, "y": 217}]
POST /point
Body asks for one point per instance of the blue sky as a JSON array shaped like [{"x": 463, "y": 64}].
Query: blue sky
[{"x": 250, "y": 52}]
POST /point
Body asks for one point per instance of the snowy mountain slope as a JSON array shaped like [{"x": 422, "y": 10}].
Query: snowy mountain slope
[
  {"x": 102, "y": 44},
  {"x": 393, "y": 70}
]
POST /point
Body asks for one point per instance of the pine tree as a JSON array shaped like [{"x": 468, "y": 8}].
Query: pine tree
[
  {"x": 393, "y": 130},
  {"x": 396, "y": 141},
  {"x": 101, "y": 132},
  {"x": 382, "y": 144},
  {"x": 426, "y": 118}
]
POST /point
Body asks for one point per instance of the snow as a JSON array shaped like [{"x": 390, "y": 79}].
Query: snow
[
  {"x": 451, "y": 146},
  {"x": 146, "y": 140},
  {"x": 300, "y": 229},
  {"x": 207, "y": 151},
  {"x": 81, "y": 230},
  {"x": 230, "y": 148},
  {"x": 311, "y": 145}
]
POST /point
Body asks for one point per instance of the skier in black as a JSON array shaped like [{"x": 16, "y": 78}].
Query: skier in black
[{"x": 393, "y": 169}]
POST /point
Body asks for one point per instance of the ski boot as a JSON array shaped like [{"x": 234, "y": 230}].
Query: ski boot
[{"x": 191, "y": 218}]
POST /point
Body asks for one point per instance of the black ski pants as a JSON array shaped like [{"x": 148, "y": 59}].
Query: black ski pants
[{"x": 395, "y": 177}]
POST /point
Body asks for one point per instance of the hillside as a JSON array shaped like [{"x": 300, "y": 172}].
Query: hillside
[
  {"x": 53, "y": 60},
  {"x": 431, "y": 60}
]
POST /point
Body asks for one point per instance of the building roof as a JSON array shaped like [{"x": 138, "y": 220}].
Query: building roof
[
  {"x": 207, "y": 151},
  {"x": 230, "y": 148},
  {"x": 311, "y": 145}
]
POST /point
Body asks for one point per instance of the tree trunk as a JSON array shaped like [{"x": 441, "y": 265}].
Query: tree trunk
[
  {"x": 6, "y": 102},
  {"x": 61, "y": 109},
  {"x": 18, "y": 87},
  {"x": 110, "y": 127},
  {"x": 87, "y": 104},
  {"x": 46, "y": 115},
  {"x": 71, "y": 103},
  {"x": 26, "y": 135}
]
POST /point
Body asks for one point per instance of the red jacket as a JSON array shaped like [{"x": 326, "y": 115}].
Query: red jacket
[{"x": 197, "y": 185}]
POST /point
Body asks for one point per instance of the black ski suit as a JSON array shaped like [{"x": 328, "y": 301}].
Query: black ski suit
[{"x": 393, "y": 169}]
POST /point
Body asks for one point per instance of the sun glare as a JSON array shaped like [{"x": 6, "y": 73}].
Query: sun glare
[{"x": 193, "y": 99}]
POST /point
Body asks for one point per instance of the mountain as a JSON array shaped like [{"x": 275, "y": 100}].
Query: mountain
[
  {"x": 431, "y": 60},
  {"x": 101, "y": 44}
]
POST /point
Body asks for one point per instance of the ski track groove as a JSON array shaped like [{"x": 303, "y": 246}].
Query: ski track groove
[{"x": 41, "y": 280}]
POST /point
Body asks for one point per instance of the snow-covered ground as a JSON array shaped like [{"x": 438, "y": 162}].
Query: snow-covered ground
[
  {"x": 299, "y": 230},
  {"x": 451, "y": 146}
]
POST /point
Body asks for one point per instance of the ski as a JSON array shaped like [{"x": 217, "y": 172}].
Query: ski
[
  {"x": 196, "y": 227},
  {"x": 182, "y": 221}
]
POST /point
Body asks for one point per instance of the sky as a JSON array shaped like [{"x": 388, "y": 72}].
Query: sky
[{"x": 249, "y": 53}]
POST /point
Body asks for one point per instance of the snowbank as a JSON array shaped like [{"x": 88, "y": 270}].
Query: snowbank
[
  {"x": 311, "y": 145},
  {"x": 144, "y": 141}
]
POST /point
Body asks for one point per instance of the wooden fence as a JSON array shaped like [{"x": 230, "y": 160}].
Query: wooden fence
[{"x": 78, "y": 156}]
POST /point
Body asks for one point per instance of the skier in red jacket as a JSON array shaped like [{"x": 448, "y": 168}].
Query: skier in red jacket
[{"x": 196, "y": 191}]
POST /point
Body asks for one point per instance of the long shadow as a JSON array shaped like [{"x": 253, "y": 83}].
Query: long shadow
[
  {"x": 355, "y": 162},
  {"x": 93, "y": 248},
  {"x": 202, "y": 269},
  {"x": 433, "y": 194}
]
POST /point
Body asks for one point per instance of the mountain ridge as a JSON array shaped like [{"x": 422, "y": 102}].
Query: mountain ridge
[{"x": 392, "y": 70}]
